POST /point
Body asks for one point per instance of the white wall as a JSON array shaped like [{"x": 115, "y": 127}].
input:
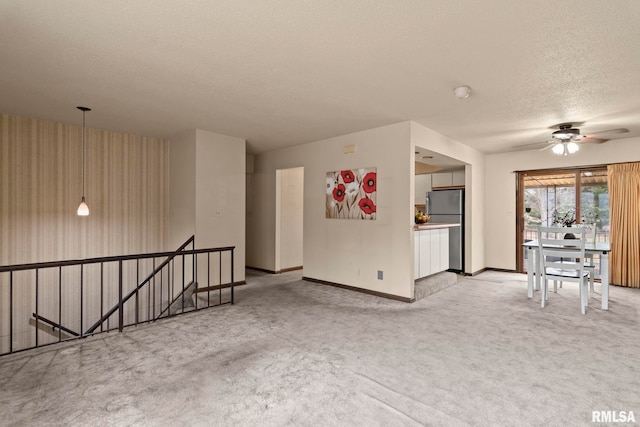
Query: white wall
[
  {"x": 501, "y": 188},
  {"x": 182, "y": 189},
  {"x": 422, "y": 186},
  {"x": 289, "y": 214},
  {"x": 207, "y": 193},
  {"x": 220, "y": 194},
  {"x": 474, "y": 189},
  {"x": 348, "y": 252}
]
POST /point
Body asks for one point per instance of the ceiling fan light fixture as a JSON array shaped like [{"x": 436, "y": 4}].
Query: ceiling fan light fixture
[
  {"x": 565, "y": 148},
  {"x": 572, "y": 147}
]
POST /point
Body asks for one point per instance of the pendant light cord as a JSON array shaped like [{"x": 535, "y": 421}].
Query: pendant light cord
[{"x": 84, "y": 149}]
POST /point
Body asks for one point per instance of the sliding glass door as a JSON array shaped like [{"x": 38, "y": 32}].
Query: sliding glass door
[{"x": 549, "y": 197}]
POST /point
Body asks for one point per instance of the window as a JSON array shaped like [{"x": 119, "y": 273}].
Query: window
[{"x": 548, "y": 197}]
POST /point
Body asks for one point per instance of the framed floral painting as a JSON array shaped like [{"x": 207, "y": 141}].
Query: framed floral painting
[{"x": 351, "y": 194}]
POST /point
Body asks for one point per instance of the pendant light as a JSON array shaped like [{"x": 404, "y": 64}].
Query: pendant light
[{"x": 83, "y": 209}]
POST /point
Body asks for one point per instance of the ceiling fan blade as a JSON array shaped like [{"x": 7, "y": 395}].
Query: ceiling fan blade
[
  {"x": 547, "y": 147},
  {"x": 590, "y": 140},
  {"x": 610, "y": 131},
  {"x": 532, "y": 145}
]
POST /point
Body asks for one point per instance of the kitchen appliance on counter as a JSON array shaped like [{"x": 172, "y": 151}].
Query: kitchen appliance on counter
[{"x": 447, "y": 206}]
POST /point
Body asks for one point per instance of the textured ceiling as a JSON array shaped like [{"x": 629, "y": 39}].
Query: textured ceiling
[{"x": 284, "y": 72}]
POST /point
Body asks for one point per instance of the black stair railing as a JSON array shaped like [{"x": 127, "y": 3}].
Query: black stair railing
[
  {"x": 156, "y": 270},
  {"x": 63, "y": 296}
]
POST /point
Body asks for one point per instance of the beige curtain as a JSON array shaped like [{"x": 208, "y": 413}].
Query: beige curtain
[{"x": 624, "y": 198}]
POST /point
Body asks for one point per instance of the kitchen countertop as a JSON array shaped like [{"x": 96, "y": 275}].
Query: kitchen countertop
[{"x": 433, "y": 225}]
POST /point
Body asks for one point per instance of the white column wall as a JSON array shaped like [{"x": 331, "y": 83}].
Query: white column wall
[
  {"x": 220, "y": 194},
  {"x": 182, "y": 189},
  {"x": 474, "y": 189},
  {"x": 207, "y": 193}
]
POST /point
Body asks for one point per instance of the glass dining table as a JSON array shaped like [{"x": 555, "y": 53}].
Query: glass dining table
[{"x": 598, "y": 248}]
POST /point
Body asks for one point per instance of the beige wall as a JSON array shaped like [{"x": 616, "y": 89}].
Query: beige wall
[
  {"x": 220, "y": 198},
  {"x": 500, "y": 215},
  {"x": 40, "y": 189},
  {"x": 182, "y": 189},
  {"x": 207, "y": 181},
  {"x": 349, "y": 252},
  {"x": 289, "y": 214}
]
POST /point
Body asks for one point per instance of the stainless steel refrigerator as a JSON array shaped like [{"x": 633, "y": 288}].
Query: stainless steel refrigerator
[{"x": 447, "y": 206}]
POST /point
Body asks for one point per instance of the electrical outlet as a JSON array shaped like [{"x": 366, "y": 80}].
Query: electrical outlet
[{"x": 380, "y": 274}]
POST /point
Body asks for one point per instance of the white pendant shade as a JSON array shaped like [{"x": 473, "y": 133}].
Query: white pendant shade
[{"x": 83, "y": 209}]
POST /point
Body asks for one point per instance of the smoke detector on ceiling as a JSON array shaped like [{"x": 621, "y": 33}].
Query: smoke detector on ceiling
[{"x": 462, "y": 92}]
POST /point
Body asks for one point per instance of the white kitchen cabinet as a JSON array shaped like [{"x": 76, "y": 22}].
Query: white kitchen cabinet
[
  {"x": 448, "y": 179},
  {"x": 457, "y": 178},
  {"x": 431, "y": 251},
  {"x": 441, "y": 179},
  {"x": 444, "y": 249},
  {"x": 425, "y": 252},
  {"x": 416, "y": 254}
]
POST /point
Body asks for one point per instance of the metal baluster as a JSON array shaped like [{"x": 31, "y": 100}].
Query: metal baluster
[
  {"x": 137, "y": 283},
  {"x": 173, "y": 291},
  {"x": 81, "y": 298},
  {"x": 194, "y": 274},
  {"x": 219, "y": 277},
  {"x": 101, "y": 295},
  {"x": 183, "y": 273},
  {"x": 11, "y": 312},
  {"x": 59, "y": 303},
  {"x": 154, "y": 294},
  {"x": 149, "y": 286},
  {"x": 37, "y": 286},
  {"x": 232, "y": 263},
  {"x": 208, "y": 279},
  {"x": 120, "y": 302}
]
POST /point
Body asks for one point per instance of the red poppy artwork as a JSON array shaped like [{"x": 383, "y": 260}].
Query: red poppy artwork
[{"x": 351, "y": 194}]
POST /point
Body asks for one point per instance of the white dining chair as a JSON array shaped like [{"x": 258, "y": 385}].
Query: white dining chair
[
  {"x": 555, "y": 251},
  {"x": 589, "y": 260}
]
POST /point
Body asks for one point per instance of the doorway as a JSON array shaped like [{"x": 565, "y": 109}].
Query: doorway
[
  {"x": 561, "y": 197},
  {"x": 289, "y": 219}
]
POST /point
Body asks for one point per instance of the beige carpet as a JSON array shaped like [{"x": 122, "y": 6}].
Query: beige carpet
[{"x": 304, "y": 354}]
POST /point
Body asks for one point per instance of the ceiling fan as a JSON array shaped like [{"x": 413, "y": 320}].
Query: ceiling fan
[{"x": 566, "y": 138}]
